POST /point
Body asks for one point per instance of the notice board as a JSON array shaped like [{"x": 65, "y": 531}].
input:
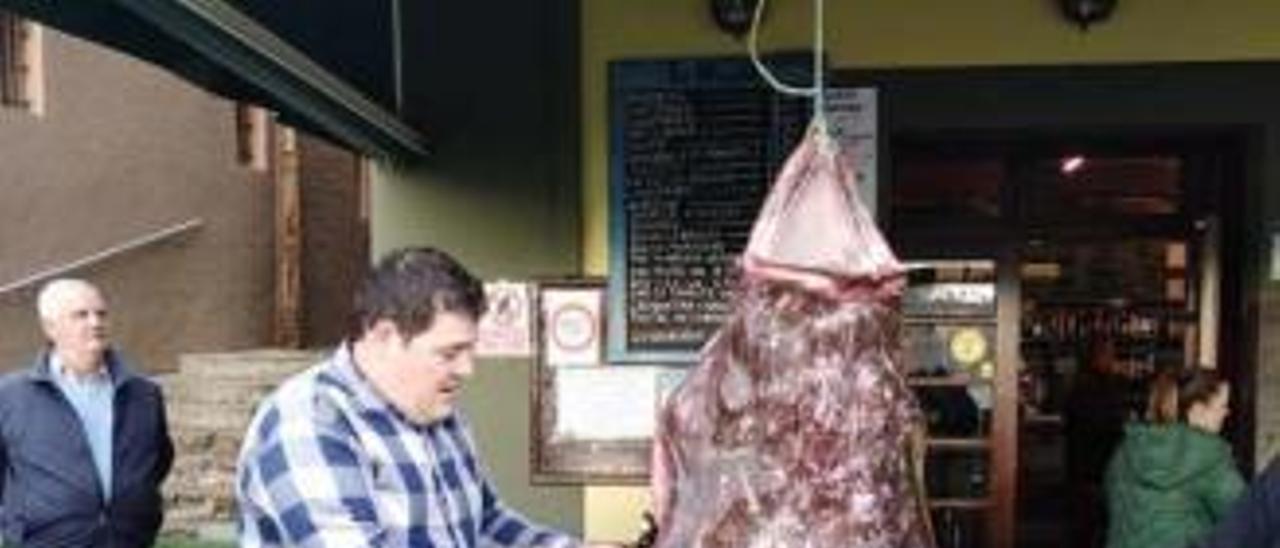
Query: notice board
[{"x": 694, "y": 145}]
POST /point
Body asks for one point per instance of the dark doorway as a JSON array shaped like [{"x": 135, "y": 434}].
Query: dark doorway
[{"x": 1128, "y": 259}]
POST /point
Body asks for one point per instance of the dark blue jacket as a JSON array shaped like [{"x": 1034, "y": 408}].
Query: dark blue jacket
[
  {"x": 51, "y": 494},
  {"x": 1254, "y": 521}
]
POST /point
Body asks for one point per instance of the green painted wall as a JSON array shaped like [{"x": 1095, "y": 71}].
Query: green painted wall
[
  {"x": 500, "y": 231},
  {"x": 497, "y": 98}
]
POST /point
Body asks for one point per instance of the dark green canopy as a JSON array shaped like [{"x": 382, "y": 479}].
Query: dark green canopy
[{"x": 325, "y": 67}]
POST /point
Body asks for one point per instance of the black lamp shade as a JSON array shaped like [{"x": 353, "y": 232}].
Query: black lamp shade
[
  {"x": 1086, "y": 12},
  {"x": 733, "y": 16}
]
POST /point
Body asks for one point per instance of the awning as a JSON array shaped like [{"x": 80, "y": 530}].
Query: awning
[{"x": 240, "y": 51}]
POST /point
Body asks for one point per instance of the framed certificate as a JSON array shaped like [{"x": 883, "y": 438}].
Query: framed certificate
[
  {"x": 571, "y": 315},
  {"x": 592, "y": 421},
  {"x": 595, "y": 424}
]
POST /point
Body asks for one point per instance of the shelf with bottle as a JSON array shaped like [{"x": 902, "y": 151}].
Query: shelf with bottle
[
  {"x": 948, "y": 320},
  {"x": 1075, "y": 324},
  {"x": 941, "y": 288},
  {"x": 949, "y": 328},
  {"x": 976, "y": 443},
  {"x": 963, "y": 503},
  {"x": 946, "y": 380},
  {"x": 956, "y": 412},
  {"x": 949, "y": 350},
  {"x": 958, "y": 475},
  {"x": 961, "y": 522}
]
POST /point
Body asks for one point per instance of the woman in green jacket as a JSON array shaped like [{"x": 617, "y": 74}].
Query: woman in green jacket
[{"x": 1172, "y": 478}]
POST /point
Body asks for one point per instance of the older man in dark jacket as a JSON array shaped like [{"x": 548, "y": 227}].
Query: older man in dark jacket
[{"x": 83, "y": 441}]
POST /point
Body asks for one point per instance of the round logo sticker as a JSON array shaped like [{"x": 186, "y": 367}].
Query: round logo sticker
[{"x": 573, "y": 327}]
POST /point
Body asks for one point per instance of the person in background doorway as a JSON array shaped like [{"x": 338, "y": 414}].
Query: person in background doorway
[
  {"x": 1173, "y": 478},
  {"x": 1254, "y": 520},
  {"x": 366, "y": 448},
  {"x": 1094, "y": 418},
  {"x": 84, "y": 443}
]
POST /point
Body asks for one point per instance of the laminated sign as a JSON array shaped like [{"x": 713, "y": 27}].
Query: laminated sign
[{"x": 506, "y": 329}]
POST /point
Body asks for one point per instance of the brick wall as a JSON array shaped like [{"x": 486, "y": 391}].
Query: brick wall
[
  {"x": 335, "y": 239},
  {"x": 122, "y": 150}
]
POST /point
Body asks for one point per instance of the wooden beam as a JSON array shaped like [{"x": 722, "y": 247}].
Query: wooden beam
[
  {"x": 286, "y": 328},
  {"x": 1004, "y": 427}
]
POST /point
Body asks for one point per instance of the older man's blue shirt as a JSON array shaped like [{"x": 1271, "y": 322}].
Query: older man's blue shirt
[{"x": 92, "y": 397}]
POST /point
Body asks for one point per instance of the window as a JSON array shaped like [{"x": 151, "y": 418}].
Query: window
[
  {"x": 21, "y": 71},
  {"x": 1118, "y": 186}
]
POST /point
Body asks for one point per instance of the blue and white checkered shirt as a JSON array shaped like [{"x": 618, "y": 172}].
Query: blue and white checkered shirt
[{"x": 329, "y": 463}]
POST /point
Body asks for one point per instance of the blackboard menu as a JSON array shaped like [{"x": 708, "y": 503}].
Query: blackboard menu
[{"x": 694, "y": 145}]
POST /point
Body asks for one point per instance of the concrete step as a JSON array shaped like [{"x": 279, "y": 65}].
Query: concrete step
[
  {"x": 218, "y": 531},
  {"x": 215, "y": 399},
  {"x": 247, "y": 374},
  {"x": 253, "y": 363},
  {"x": 209, "y": 450},
  {"x": 209, "y": 487},
  {"x": 205, "y": 422},
  {"x": 210, "y": 402},
  {"x": 188, "y": 518}
]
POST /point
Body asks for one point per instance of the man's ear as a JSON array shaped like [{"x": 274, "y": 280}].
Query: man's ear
[
  {"x": 46, "y": 327},
  {"x": 383, "y": 331}
]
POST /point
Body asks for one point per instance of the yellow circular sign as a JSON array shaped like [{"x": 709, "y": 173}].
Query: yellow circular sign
[{"x": 967, "y": 346}]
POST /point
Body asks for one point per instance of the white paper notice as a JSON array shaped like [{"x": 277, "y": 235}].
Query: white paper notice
[
  {"x": 507, "y": 326},
  {"x": 605, "y": 403},
  {"x": 852, "y": 119}
]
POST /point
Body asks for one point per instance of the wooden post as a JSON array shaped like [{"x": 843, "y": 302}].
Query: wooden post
[
  {"x": 286, "y": 330},
  {"x": 1004, "y": 485}
]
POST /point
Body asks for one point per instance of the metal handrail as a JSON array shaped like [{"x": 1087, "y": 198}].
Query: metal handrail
[{"x": 107, "y": 253}]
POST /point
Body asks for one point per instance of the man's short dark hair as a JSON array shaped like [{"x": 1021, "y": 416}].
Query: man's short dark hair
[{"x": 408, "y": 286}]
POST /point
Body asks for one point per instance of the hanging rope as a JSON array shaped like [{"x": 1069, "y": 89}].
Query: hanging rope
[
  {"x": 819, "y": 57},
  {"x": 818, "y": 90}
]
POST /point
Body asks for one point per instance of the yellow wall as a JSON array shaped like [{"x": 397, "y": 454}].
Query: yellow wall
[{"x": 884, "y": 34}]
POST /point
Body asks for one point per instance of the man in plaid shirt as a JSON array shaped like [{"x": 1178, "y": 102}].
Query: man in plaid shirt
[{"x": 365, "y": 449}]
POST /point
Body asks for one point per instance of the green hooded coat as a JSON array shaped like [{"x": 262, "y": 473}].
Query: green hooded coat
[{"x": 1167, "y": 485}]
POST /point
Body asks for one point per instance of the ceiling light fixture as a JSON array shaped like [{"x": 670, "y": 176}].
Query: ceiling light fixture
[
  {"x": 1086, "y": 12},
  {"x": 1071, "y": 164}
]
